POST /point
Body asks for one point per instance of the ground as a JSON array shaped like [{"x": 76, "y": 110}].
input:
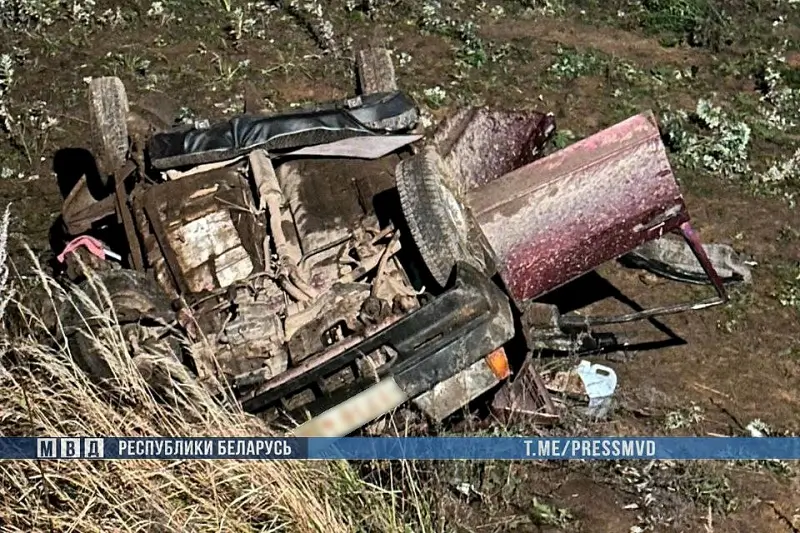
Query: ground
[{"x": 722, "y": 76}]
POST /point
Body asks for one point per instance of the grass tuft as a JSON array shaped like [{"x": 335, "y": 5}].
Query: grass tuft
[{"x": 46, "y": 393}]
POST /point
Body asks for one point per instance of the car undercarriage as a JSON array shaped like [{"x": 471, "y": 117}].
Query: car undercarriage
[{"x": 330, "y": 264}]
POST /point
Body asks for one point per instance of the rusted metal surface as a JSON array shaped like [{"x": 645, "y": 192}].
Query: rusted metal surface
[
  {"x": 206, "y": 229},
  {"x": 80, "y": 209},
  {"x": 526, "y": 397},
  {"x": 480, "y": 144},
  {"x": 270, "y": 199},
  {"x": 246, "y": 327},
  {"x": 210, "y": 237},
  {"x": 335, "y": 206},
  {"x": 170, "y": 259},
  {"x": 318, "y": 359},
  {"x": 153, "y": 257},
  {"x": 566, "y": 214},
  {"x": 338, "y": 306},
  {"x": 124, "y": 215}
]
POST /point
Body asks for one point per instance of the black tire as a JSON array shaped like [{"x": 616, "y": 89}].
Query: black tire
[
  {"x": 375, "y": 71},
  {"x": 138, "y": 303},
  {"x": 441, "y": 225},
  {"x": 108, "y": 112}
]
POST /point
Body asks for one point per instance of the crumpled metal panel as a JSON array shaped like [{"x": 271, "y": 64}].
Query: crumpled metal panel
[
  {"x": 566, "y": 214},
  {"x": 249, "y": 340},
  {"x": 211, "y": 238},
  {"x": 206, "y": 229},
  {"x": 480, "y": 144}
]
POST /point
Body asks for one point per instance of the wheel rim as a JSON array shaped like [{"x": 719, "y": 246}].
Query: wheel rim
[{"x": 455, "y": 211}]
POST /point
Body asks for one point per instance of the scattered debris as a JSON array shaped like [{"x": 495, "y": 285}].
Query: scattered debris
[
  {"x": 591, "y": 383},
  {"x": 674, "y": 259},
  {"x": 94, "y": 246},
  {"x": 526, "y": 396},
  {"x": 599, "y": 382},
  {"x": 468, "y": 491},
  {"x": 757, "y": 428},
  {"x": 684, "y": 418}
]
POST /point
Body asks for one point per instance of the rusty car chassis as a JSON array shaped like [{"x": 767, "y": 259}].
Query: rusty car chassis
[{"x": 330, "y": 264}]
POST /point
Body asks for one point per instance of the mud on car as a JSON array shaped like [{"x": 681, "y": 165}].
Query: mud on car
[{"x": 329, "y": 264}]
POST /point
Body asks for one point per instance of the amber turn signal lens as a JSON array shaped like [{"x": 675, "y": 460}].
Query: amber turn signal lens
[{"x": 498, "y": 362}]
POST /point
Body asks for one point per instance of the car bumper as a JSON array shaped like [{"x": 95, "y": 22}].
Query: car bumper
[{"x": 432, "y": 344}]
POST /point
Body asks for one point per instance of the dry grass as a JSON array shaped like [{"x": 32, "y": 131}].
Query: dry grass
[{"x": 44, "y": 393}]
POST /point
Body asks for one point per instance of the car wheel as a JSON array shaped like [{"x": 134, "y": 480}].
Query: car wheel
[
  {"x": 442, "y": 227},
  {"x": 108, "y": 112},
  {"x": 375, "y": 71}
]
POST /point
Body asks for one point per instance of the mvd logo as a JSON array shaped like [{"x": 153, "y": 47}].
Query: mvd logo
[{"x": 69, "y": 448}]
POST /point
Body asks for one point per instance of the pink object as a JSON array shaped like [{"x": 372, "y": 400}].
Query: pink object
[{"x": 93, "y": 245}]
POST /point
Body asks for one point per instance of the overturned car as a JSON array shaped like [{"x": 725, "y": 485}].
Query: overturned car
[{"x": 330, "y": 264}]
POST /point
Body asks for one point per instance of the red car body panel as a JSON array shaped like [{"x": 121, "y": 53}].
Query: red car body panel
[{"x": 564, "y": 215}]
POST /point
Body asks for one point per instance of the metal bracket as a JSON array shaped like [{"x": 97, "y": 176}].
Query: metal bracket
[{"x": 693, "y": 240}]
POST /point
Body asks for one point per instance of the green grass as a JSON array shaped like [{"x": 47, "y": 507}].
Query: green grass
[{"x": 694, "y": 22}]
